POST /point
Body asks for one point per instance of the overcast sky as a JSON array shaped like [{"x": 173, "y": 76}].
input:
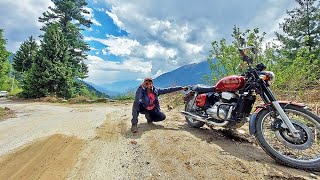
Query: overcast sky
[{"x": 132, "y": 39}]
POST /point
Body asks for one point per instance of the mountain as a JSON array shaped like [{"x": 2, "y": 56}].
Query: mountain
[
  {"x": 103, "y": 89},
  {"x": 10, "y": 58},
  {"x": 93, "y": 89},
  {"x": 123, "y": 86},
  {"x": 185, "y": 75}
]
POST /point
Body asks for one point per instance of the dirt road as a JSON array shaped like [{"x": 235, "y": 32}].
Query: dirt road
[{"x": 52, "y": 141}]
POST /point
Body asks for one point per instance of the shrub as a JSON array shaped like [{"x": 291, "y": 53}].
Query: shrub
[
  {"x": 79, "y": 99},
  {"x": 51, "y": 99}
]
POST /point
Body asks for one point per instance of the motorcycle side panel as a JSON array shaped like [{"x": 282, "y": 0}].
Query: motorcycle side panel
[
  {"x": 201, "y": 100},
  {"x": 230, "y": 83}
]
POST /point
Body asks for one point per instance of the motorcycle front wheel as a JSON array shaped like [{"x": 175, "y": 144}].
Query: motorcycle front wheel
[{"x": 276, "y": 140}]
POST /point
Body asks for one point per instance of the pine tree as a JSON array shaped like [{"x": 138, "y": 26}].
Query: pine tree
[
  {"x": 70, "y": 16},
  {"x": 301, "y": 28},
  {"x": 4, "y": 63},
  {"x": 25, "y": 56},
  {"x": 50, "y": 74},
  {"x": 301, "y": 45}
]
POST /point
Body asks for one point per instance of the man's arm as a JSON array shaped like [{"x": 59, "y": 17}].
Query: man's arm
[{"x": 169, "y": 90}]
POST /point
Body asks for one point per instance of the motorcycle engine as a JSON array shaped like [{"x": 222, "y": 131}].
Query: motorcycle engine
[{"x": 222, "y": 109}]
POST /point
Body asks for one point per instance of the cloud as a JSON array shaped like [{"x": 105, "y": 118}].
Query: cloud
[
  {"x": 115, "y": 19},
  {"x": 100, "y": 9},
  {"x": 20, "y": 20},
  {"x": 156, "y": 50},
  {"x": 118, "y": 46},
  {"x": 274, "y": 12},
  {"x": 104, "y": 71},
  {"x": 171, "y": 33},
  {"x": 91, "y": 16}
]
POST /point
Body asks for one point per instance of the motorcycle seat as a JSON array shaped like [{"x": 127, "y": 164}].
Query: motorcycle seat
[{"x": 200, "y": 88}]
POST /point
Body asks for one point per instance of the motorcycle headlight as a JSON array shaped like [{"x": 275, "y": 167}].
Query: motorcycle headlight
[{"x": 268, "y": 76}]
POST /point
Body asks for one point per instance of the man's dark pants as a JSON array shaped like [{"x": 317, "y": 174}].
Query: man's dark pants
[{"x": 151, "y": 115}]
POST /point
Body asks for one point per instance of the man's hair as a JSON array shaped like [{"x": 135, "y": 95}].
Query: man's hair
[{"x": 148, "y": 79}]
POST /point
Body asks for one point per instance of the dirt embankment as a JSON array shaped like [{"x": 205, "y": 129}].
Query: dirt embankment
[
  {"x": 49, "y": 158},
  {"x": 88, "y": 145}
]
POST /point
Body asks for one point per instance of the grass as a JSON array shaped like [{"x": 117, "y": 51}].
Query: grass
[
  {"x": 2, "y": 112},
  {"x": 129, "y": 96},
  {"x": 6, "y": 113}
]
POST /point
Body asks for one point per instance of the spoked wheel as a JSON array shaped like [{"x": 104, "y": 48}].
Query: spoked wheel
[
  {"x": 300, "y": 152},
  {"x": 189, "y": 107}
]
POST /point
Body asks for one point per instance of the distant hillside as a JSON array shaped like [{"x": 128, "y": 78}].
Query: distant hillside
[
  {"x": 185, "y": 75},
  {"x": 123, "y": 86},
  {"x": 11, "y": 58},
  {"x": 92, "y": 89},
  {"x": 103, "y": 89}
]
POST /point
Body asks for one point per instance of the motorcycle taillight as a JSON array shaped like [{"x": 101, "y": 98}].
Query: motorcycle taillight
[{"x": 201, "y": 100}]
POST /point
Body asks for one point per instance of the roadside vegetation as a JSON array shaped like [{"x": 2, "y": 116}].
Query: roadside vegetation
[
  {"x": 56, "y": 67},
  {"x": 6, "y": 113},
  {"x": 1, "y": 113},
  {"x": 294, "y": 56}
]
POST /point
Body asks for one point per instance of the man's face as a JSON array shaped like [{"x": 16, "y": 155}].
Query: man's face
[{"x": 149, "y": 85}]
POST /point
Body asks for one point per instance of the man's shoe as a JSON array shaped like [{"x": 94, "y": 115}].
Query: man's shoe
[
  {"x": 147, "y": 115},
  {"x": 134, "y": 128}
]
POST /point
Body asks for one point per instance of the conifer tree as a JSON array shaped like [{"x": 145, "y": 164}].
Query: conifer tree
[
  {"x": 25, "y": 56},
  {"x": 301, "y": 29},
  {"x": 4, "y": 63},
  {"x": 70, "y": 16},
  {"x": 50, "y": 74}
]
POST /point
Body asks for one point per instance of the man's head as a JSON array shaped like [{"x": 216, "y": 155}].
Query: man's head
[{"x": 147, "y": 83}]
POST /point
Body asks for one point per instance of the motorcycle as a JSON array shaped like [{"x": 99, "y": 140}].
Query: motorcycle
[{"x": 286, "y": 131}]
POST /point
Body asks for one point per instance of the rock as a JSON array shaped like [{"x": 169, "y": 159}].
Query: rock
[
  {"x": 133, "y": 142},
  {"x": 6, "y": 109},
  {"x": 313, "y": 176}
]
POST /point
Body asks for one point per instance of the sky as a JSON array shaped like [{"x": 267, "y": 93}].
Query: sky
[{"x": 133, "y": 39}]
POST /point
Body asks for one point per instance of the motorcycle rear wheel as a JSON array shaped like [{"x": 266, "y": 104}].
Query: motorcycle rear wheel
[
  {"x": 302, "y": 152},
  {"x": 191, "y": 122}
]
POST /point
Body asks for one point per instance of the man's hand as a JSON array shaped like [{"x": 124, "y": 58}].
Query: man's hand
[{"x": 185, "y": 88}]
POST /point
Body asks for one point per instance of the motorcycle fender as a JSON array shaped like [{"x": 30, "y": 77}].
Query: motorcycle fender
[{"x": 252, "y": 127}]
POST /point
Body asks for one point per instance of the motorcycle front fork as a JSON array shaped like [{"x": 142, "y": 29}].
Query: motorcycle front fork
[{"x": 285, "y": 119}]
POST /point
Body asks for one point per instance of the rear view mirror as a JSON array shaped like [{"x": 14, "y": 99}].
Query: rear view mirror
[
  {"x": 242, "y": 42},
  {"x": 253, "y": 50}
]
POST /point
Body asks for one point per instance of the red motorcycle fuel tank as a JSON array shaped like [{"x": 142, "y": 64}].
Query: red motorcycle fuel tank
[{"x": 230, "y": 83}]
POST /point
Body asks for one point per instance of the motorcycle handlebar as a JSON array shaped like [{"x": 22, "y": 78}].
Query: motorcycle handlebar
[{"x": 243, "y": 54}]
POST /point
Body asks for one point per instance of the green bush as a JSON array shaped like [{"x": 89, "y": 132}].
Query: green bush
[{"x": 130, "y": 95}]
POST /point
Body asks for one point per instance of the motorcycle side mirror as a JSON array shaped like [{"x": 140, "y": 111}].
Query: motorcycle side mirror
[
  {"x": 254, "y": 50},
  {"x": 261, "y": 67},
  {"x": 242, "y": 41}
]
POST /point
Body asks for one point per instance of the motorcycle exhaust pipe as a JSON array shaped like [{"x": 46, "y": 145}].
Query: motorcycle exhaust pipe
[
  {"x": 198, "y": 118},
  {"x": 190, "y": 115}
]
